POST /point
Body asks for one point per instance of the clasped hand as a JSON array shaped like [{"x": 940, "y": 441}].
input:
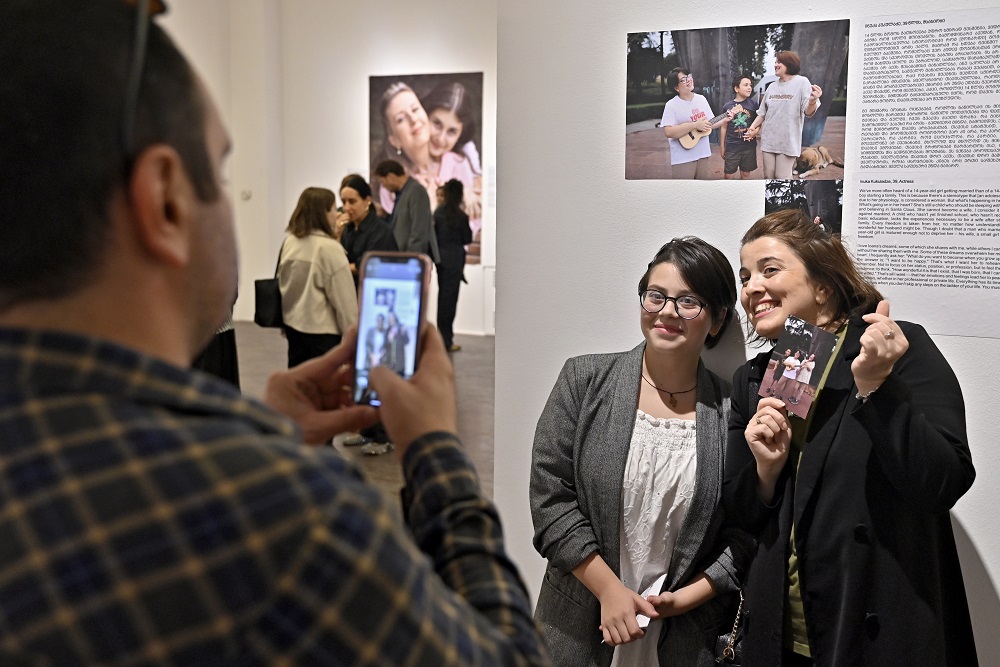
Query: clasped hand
[{"x": 619, "y": 607}]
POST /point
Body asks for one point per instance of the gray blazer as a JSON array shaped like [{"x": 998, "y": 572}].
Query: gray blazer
[
  {"x": 578, "y": 463},
  {"x": 412, "y": 224}
]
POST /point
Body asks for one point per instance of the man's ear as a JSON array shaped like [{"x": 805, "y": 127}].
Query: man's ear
[{"x": 162, "y": 204}]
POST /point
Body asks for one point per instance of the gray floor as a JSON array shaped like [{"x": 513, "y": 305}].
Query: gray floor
[{"x": 263, "y": 351}]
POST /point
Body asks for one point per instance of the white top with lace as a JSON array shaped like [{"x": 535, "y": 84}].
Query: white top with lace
[{"x": 656, "y": 492}]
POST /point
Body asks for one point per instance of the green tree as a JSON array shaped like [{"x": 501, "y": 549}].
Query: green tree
[{"x": 643, "y": 61}]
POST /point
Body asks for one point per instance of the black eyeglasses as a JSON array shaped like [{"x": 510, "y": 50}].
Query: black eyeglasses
[
  {"x": 144, "y": 10},
  {"x": 687, "y": 306}
]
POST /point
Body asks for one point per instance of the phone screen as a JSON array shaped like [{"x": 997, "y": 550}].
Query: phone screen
[{"x": 390, "y": 313}]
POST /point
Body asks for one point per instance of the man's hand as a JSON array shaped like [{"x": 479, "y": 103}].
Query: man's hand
[
  {"x": 317, "y": 394},
  {"x": 425, "y": 403}
]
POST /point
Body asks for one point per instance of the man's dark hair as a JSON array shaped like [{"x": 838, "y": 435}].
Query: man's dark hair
[
  {"x": 386, "y": 167},
  {"x": 63, "y": 83}
]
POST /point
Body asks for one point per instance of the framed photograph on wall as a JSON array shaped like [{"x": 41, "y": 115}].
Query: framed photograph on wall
[
  {"x": 432, "y": 125},
  {"x": 693, "y": 96}
]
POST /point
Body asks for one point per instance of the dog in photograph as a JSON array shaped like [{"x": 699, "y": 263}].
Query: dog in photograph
[{"x": 812, "y": 160}]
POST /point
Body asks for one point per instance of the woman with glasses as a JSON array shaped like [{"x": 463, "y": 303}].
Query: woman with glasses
[
  {"x": 856, "y": 563},
  {"x": 685, "y": 113},
  {"x": 787, "y": 103},
  {"x": 626, "y": 480}
]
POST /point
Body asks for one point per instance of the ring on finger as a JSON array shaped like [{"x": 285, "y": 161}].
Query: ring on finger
[
  {"x": 889, "y": 334},
  {"x": 757, "y": 418}
]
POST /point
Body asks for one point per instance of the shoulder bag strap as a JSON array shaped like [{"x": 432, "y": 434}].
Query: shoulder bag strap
[{"x": 278, "y": 263}]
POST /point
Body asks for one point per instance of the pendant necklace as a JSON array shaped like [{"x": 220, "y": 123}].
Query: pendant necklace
[{"x": 672, "y": 401}]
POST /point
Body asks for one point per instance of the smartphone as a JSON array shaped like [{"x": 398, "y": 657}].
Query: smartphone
[{"x": 392, "y": 293}]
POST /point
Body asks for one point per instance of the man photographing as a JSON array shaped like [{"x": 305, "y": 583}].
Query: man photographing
[{"x": 150, "y": 514}]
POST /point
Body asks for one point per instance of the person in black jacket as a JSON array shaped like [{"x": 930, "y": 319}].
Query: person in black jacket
[
  {"x": 856, "y": 561},
  {"x": 361, "y": 230},
  {"x": 451, "y": 225}
]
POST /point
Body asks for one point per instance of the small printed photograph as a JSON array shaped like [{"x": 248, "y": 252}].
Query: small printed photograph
[
  {"x": 743, "y": 102},
  {"x": 822, "y": 201},
  {"x": 798, "y": 364}
]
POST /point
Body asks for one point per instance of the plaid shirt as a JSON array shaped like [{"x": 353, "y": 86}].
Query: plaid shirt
[{"x": 151, "y": 515}]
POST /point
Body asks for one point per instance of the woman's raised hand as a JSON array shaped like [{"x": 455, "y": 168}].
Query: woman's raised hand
[
  {"x": 815, "y": 92},
  {"x": 619, "y": 606},
  {"x": 769, "y": 435},
  {"x": 882, "y": 343}
]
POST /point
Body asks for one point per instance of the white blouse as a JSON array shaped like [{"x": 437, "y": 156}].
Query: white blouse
[{"x": 656, "y": 492}]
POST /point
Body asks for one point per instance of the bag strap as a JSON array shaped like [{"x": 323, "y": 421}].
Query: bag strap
[
  {"x": 278, "y": 263},
  {"x": 729, "y": 652}
]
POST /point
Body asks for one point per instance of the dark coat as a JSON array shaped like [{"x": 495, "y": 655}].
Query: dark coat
[
  {"x": 879, "y": 572},
  {"x": 578, "y": 463},
  {"x": 411, "y": 221},
  {"x": 371, "y": 234}
]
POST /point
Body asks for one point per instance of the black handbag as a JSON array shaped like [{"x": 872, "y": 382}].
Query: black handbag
[
  {"x": 727, "y": 647},
  {"x": 267, "y": 299}
]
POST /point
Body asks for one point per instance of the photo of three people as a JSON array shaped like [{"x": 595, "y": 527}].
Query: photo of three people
[
  {"x": 798, "y": 365},
  {"x": 744, "y": 102}
]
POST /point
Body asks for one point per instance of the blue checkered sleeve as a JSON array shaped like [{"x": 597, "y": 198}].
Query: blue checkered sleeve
[{"x": 360, "y": 592}]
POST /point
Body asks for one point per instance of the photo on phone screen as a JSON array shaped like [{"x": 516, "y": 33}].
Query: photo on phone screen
[{"x": 391, "y": 309}]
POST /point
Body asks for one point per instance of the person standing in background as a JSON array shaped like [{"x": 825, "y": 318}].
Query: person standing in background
[
  {"x": 319, "y": 301},
  {"x": 451, "y": 225},
  {"x": 361, "y": 230},
  {"x": 411, "y": 222}
]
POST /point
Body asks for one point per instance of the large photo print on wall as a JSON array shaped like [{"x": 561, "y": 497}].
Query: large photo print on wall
[
  {"x": 432, "y": 125},
  {"x": 745, "y": 102}
]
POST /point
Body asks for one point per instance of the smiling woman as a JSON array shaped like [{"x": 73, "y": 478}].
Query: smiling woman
[
  {"x": 621, "y": 445},
  {"x": 880, "y": 459}
]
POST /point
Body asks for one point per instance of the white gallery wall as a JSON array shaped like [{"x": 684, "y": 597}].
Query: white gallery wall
[
  {"x": 575, "y": 237},
  {"x": 291, "y": 78}
]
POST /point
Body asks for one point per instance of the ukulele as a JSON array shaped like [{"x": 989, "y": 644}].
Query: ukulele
[{"x": 690, "y": 139}]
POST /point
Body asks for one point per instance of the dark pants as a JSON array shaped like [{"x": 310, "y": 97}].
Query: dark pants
[
  {"x": 792, "y": 659},
  {"x": 449, "y": 280},
  {"x": 220, "y": 359},
  {"x": 305, "y": 346}
]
